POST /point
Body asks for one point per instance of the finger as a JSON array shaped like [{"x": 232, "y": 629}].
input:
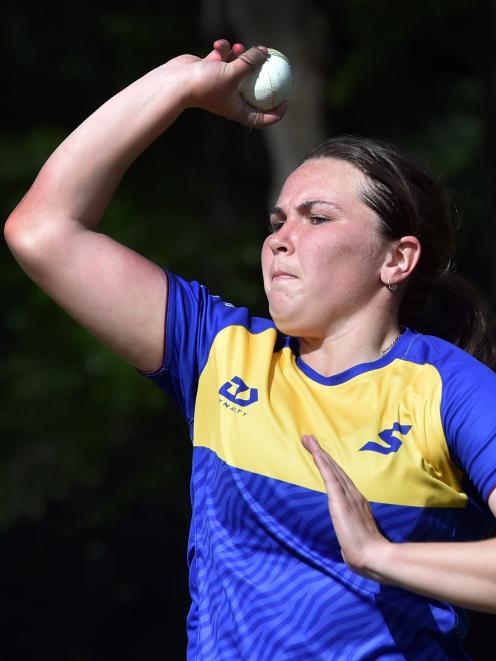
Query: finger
[
  {"x": 355, "y": 497},
  {"x": 310, "y": 443},
  {"x": 331, "y": 473},
  {"x": 238, "y": 49},
  {"x": 331, "y": 464},
  {"x": 341, "y": 476},
  {"x": 348, "y": 488},
  {"x": 322, "y": 461},
  {"x": 248, "y": 60},
  {"x": 348, "y": 484},
  {"x": 281, "y": 109},
  {"x": 313, "y": 446},
  {"x": 220, "y": 52},
  {"x": 255, "y": 118}
]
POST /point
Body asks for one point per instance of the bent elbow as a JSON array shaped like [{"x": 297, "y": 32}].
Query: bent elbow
[
  {"x": 20, "y": 237},
  {"x": 34, "y": 241}
]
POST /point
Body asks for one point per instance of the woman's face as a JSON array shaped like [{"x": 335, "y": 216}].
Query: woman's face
[{"x": 322, "y": 262}]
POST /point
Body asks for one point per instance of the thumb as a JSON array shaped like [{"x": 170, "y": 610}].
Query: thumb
[{"x": 249, "y": 60}]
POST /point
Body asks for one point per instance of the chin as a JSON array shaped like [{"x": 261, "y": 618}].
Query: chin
[{"x": 286, "y": 325}]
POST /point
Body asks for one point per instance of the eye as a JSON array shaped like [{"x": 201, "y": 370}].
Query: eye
[
  {"x": 318, "y": 220},
  {"x": 275, "y": 225}
]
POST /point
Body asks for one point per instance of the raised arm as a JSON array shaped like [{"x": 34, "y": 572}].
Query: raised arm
[{"x": 117, "y": 294}]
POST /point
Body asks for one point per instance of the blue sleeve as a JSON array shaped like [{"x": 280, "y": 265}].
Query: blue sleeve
[
  {"x": 468, "y": 411},
  {"x": 193, "y": 319}
]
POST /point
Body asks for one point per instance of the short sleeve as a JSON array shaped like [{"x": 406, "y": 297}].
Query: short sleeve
[
  {"x": 468, "y": 411},
  {"x": 193, "y": 319}
]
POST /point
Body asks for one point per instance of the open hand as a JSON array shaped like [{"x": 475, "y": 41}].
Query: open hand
[{"x": 354, "y": 524}]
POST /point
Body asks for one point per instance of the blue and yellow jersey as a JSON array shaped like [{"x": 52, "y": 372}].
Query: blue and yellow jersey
[{"x": 416, "y": 432}]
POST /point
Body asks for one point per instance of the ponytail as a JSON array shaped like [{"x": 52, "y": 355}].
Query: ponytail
[{"x": 450, "y": 308}]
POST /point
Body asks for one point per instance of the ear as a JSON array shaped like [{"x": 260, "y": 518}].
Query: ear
[{"x": 401, "y": 259}]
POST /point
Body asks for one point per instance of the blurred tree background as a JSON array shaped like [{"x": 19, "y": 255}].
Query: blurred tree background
[{"x": 94, "y": 463}]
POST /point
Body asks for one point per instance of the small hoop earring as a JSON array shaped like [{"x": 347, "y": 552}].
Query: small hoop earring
[{"x": 392, "y": 286}]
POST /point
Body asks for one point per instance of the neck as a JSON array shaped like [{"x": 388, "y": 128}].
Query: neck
[{"x": 348, "y": 347}]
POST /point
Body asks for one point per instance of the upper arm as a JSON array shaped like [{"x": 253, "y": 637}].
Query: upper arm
[
  {"x": 469, "y": 420},
  {"x": 114, "y": 292}
]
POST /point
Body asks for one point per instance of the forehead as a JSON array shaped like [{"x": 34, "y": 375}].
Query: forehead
[{"x": 324, "y": 178}]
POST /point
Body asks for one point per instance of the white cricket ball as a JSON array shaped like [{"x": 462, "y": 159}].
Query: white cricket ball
[{"x": 270, "y": 84}]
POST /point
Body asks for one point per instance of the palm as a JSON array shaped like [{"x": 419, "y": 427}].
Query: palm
[{"x": 350, "y": 512}]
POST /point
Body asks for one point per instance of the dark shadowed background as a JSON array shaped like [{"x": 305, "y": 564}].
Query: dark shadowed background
[{"x": 94, "y": 461}]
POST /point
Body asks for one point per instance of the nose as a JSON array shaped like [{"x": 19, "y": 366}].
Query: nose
[{"x": 283, "y": 240}]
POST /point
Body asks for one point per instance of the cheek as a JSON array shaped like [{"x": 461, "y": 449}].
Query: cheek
[
  {"x": 266, "y": 252},
  {"x": 265, "y": 257},
  {"x": 345, "y": 264},
  {"x": 265, "y": 248}
]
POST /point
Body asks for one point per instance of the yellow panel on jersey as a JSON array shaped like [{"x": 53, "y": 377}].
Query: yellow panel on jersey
[{"x": 253, "y": 406}]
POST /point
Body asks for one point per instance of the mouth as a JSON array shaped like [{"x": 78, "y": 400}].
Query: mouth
[{"x": 282, "y": 275}]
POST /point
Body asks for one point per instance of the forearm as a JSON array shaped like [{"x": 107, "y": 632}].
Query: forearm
[
  {"x": 462, "y": 573},
  {"x": 76, "y": 183}
]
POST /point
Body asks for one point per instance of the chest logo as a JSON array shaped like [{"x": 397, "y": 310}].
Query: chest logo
[
  {"x": 237, "y": 392},
  {"x": 391, "y": 443}
]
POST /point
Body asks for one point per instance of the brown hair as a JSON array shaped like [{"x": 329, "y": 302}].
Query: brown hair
[{"x": 409, "y": 201}]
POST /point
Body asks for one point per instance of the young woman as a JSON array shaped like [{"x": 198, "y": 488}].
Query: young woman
[{"x": 337, "y": 403}]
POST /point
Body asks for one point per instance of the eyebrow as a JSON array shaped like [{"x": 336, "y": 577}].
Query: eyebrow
[{"x": 306, "y": 205}]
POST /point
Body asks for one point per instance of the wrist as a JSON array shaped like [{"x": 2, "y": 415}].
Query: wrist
[
  {"x": 170, "y": 86},
  {"x": 380, "y": 560},
  {"x": 184, "y": 78},
  {"x": 177, "y": 87}
]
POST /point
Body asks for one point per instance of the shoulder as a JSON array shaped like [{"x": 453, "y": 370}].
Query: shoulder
[
  {"x": 454, "y": 365},
  {"x": 467, "y": 405},
  {"x": 467, "y": 387},
  {"x": 191, "y": 300}
]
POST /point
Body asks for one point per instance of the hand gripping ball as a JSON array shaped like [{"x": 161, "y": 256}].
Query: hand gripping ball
[{"x": 270, "y": 84}]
